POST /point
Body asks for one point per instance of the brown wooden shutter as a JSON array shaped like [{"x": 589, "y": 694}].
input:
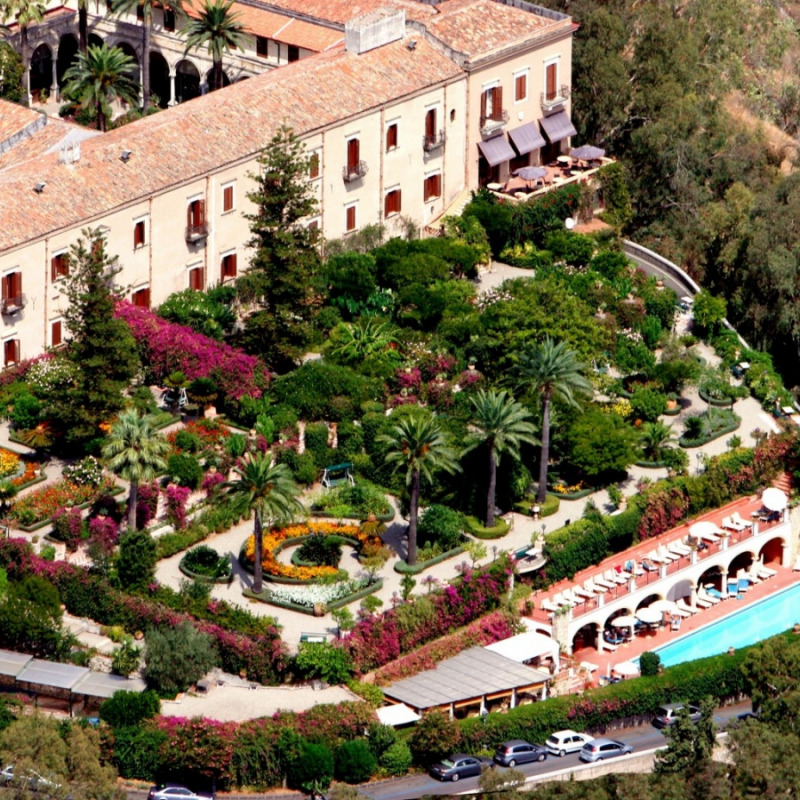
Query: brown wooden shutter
[
  {"x": 550, "y": 88},
  {"x": 497, "y": 102},
  {"x": 227, "y": 198},
  {"x": 6, "y": 286},
  {"x": 56, "y": 334},
  {"x": 16, "y": 284},
  {"x": 10, "y": 352},
  {"x": 484, "y": 100},
  {"x": 391, "y": 137},
  {"x": 430, "y": 124},
  {"x": 351, "y": 219},
  {"x": 196, "y": 279},
  {"x": 138, "y": 234},
  {"x": 521, "y": 90},
  {"x": 353, "y": 154},
  {"x": 313, "y": 171}
]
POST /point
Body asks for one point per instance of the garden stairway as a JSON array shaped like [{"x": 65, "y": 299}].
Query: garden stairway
[{"x": 784, "y": 482}]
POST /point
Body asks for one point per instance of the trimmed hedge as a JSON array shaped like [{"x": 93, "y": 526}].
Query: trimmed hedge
[
  {"x": 473, "y": 526},
  {"x": 688, "y": 444},
  {"x": 713, "y": 401},
  {"x": 420, "y": 566},
  {"x": 550, "y": 506}
]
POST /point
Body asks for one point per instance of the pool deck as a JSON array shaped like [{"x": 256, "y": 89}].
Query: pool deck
[{"x": 650, "y": 639}]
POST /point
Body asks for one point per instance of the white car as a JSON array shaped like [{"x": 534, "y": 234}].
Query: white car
[
  {"x": 35, "y": 781},
  {"x": 563, "y": 742}
]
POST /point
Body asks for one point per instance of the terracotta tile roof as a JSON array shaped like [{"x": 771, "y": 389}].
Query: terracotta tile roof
[
  {"x": 49, "y": 14},
  {"x": 14, "y": 119},
  {"x": 340, "y": 11},
  {"x": 202, "y": 135},
  {"x": 279, "y": 27},
  {"x": 479, "y": 27}
]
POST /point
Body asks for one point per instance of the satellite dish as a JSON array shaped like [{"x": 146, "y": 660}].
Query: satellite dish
[{"x": 569, "y": 223}]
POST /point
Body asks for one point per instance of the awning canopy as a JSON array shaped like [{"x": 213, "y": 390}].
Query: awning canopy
[
  {"x": 496, "y": 150},
  {"x": 526, "y": 646},
  {"x": 527, "y": 138},
  {"x": 557, "y": 127},
  {"x": 398, "y": 714}
]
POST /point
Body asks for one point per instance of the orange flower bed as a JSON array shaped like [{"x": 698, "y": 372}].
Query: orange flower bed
[{"x": 277, "y": 536}]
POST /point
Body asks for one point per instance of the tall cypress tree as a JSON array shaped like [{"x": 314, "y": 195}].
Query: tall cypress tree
[
  {"x": 101, "y": 349},
  {"x": 286, "y": 257}
]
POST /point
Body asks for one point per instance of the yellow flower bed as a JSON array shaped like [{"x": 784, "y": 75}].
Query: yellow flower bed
[
  {"x": 562, "y": 488},
  {"x": 9, "y": 462},
  {"x": 275, "y": 537}
]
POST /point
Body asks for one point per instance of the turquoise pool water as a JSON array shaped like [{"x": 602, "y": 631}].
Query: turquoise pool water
[{"x": 752, "y": 624}]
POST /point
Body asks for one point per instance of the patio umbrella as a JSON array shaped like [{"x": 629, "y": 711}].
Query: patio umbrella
[
  {"x": 705, "y": 530},
  {"x": 627, "y": 669},
  {"x": 625, "y": 621},
  {"x": 530, "y": 173},
  {"x": 774, "y": 499},
  {"x": 648, "y": 615},
  {"x": 587, "y": 152},
  {"x": 664, "y": 606}
]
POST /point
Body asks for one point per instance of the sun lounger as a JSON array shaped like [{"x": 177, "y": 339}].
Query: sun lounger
[
  {"x": 680, "y": 549},
  {"x": 675, "y": 623},
  {"x": 796, "y": 567},
  {"x": 702, "y": 594},
  {"x": 549, "y": 605},
  {"x": 654, "y": 556},
  {"x": 681, "y": 612},
  {"x": 745, "y": 523},
  {"x": 614, "y": 577},
  {"x": 591, "y": 586},
  {"x": 730, "y": 524},
  {"x": 600, "y": 580},
  {"x": 684, "y": 606},
  {"x": 589, "y": 667},
  {"x": 633, "y": 568},
  {"x": 580, "y": 591},
  {"x": 648, "y": 565},
  {"x": 712, "y": 591},
  {"x": 701, "y": 603},
  {"x": 666, "y": 554},
  {"x": 765, "y": 572},
  {"x": 571, "y": 597},
  {"x": 560, "y": 600}
]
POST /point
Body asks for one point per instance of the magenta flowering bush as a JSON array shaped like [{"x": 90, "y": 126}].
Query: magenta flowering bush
[
  {"x": 176, "y": 505},
  {"x": 146, "y": 504},
  {"x": 378, "y": 639},
  {"x": 103, "y": 533},
  {"x": 68, "y": 527},
  {"x": 409, "y": 378},
  {"x": 211, "y": 481},
  {"x": 167, "y": 347}
]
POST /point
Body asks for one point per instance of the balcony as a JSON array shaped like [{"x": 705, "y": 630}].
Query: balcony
[
  {"x": 494, "y": 123},
  {"x": 433, "y": 141},
  {"x": 196, "y": 233},
  {"x": 354, "y": 172},
  {"x": 13, "y": 305},
  {"x": 552, "y": 100}
]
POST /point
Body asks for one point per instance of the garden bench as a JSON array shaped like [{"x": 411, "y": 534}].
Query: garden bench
[
  {"x": 338, "y": 474},
  {"x": 313, "y": 637}
]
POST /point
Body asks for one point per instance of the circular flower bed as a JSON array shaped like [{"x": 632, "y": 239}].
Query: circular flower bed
[
  {"x": 278, "y": 538},
  {"x": 205, "y": 564}
]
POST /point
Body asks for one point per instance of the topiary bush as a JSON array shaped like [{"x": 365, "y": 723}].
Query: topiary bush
[
  {"x": 397, "y": 759},
  {"x": 354, "y": 762},
  {"x": 207, "y": 563},
  {"x": 649, "y": 664},
  {"x": 126, "y": 709},
  {"x": 311, "y": 767},
  {"x": 322, "y": 550},
  {"x": 648, "y": 404},
  {"x": 440, "y": 525},
  {"x": 185, "y": 470}
]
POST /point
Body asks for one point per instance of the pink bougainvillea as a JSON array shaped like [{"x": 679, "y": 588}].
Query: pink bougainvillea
[
  {"x": 103, "y": 533},
  {"x": 146, "y": 504},
  {"x": 211, "y": 481},
  {"x": 167, "y": 347},
  {"x": 176, "y": 505}
]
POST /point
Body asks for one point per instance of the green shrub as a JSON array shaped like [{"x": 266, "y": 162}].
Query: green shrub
[
  {"x": 137, "y": 752},
  {"x": 324, "y": 660},
  {"x": 441, "y": 525},
  {"x": 574, "y": 248},
  {"x": 649, "y": 664},
  {"x": 127, "y": 709},
  {"x": 380, "y": 738},
  {"x": 574, "y": 548},
  {"x": 177, "y": 657},
  {"x": 317, "y": 443},
  {"x": 284, "y": 416},
  {"x": 312, "y": 767},
  {"x": 435, "y": 736},
  {"x": 397, "y": 759},
  {"x": 187, "y": 441},
  {"x": 185, "y": 470},
  {"x": 321, "y": 550},
  {"x": 26, "y": 412},
  {"x": 358, "y": 501},
  {"x": 648, "y": 404},
  {"x": 48, "y": 553},
  {"x": 350, "y": 439},
  {"x": 475, "y": 527},
  {"x": 206, "y": 562},
  {"x": 651, "y": 331},
  {"x": 354, "y": 762},
  {"x": 136, "y": 565}
]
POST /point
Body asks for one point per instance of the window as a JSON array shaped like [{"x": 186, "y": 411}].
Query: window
[
  {"x": 521, "y": 87},
  {"x": 196, "y": 215},
  {"x": 350, "y": 218},
  {"x": 59, "y": 266},
  {"x": 432, "y": 187},
  {"x": 430, "y": 124},
  {"x": 492, "y": 104},
  {"x": 228, "y": 266},
  {"x": 551, "y": 81},
  {"x": 56, "y": 333},
  {"x": 10, "y": 352},
  {"x": 314, "y": 224},
  {"x": 353, "y": 154},
  {"x": 138, "y": 234},
  {"x": 262, "y": 47},
  {"x": 314, "y": 166},
  {"x": 391, "y": 203},
  {"x": 141, "y": 298},
  {"x": 169, "y": 19},
  {"x": 294, "y": 53},
  {"x": 227, "y": 198},
  {"x": 12, "y": 291},
  {"x": 197, "y": 279},
  {"x": 391, "y": 137}
]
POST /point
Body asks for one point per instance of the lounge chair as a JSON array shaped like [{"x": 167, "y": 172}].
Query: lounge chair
[
  {"x": 591, "y": 586},
  {"x": 667, "y": 555},
  {"x": 712, "y": 590},
  {"x": 684, "y": 606},
  {"x": 649, "y": 566},
  {"x": 765, "y": 572},
  {"x": 681, "y": 612},
  {"x": 602, "y": 581},
  {"x": 560, "y": 600},
  {"x": 745, "y": 523},
  {"x": 679, "y": 548},
  {"x": 730, "y": 525},
  {"x": 549, "y": 605},
  {"x": 588, "y": 666},
  {"x": 633, "y": 568},
  {"x": 702, "y": 594},
  {"x": 752, "y": 573},
  {"x": 580, "y": 591},
  {"x": 702, "y": 603},
  {"x": 614, "y": 577},
  {"x": 571, "y": 597},
  {"x": 796, "y": 567},
  {"x": 675, "y": 623},
  {"x": 654, "y": 556}
]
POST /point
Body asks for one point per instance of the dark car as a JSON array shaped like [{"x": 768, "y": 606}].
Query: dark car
[
  {"x": 604, "y": 748},
  {"x": 518, "y": 751},
  {"x": 174, "y": 791},
  {"x": 457, "y": 766},
  {"x": 667, "y": 715}
]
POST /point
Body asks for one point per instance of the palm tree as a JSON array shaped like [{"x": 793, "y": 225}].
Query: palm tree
[
  {"x": 552, "y": 370},
  {"x": 219, "y": 29},
  {"x": 503, "y": 425},
  {"x": 367, "y": 338},
  {"x": 83, "y": 25},
  {"x": 132, "y": 6},
  {"x": 100, "y": 76},
  {"x": 419, "y": 446},
  {"x": 269, "y": 493},
  {"x": 136, "y": 452},
  {"x": 656, "y": 436},
  {"x": 26, "y": 13}
]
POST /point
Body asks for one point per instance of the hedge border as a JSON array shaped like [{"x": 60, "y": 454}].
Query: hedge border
[
  {"x": 550, "y": 506},
  {"x": 650, "y": 464},
  {"x": 45, "y": 522},
  {"x": 714, "y": 402},
  {"x": 385, "y": 518},
  {"x": 342, "y": 601},
  {"x": 414, "y": 569},
  {"x": 196, "y": 576},
  {"x": 574, "y": 495},
  {"x": 688, "y": 444},
  {"x": 473, "y": 527}
]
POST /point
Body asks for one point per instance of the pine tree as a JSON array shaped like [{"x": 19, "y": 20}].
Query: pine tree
[
  {"x": 286, "y": 256},
  {"x": 101, "y": 348}
]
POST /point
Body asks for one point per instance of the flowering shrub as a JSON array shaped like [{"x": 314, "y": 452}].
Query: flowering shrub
[
  {"x": 176, "y": 505},
  {"x": 104, "y": 533},
  {"x": 49, "y": 374},
  {"x": 211, "y": 481},
  {"x": 87, "y": 472},
  {"x": 276, "y": 537},
  {"x": 206, "y": 432},
  {"x": 9, "y": 462},
  {"x": 42, "y": 503},
  {"x": 146, "y": 504},
  {"x": 377, "y": 640},
  {"x": 68, "y": 527},
  {"x": 167, "y": 347},
  {"x": 317, "y": 594},
  {"x": 31, "y": 473}
]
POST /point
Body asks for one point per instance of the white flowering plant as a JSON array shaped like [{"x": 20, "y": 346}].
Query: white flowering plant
[
  {"x": 49, "y": 374},
  {"x": 317, "y": 594}
]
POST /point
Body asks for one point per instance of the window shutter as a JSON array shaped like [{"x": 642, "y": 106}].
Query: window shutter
[
  {"x": 16, "y": 284},
  {"x": 54, "y": 268},
  {"x": 484, "y": 103},
  {"x": 497, "y": 102},
  {"x": 551, "y": 81},
  {"x": 521, "y": 87},
  {"x": 55, "y": 334},
  {"x": 430, "y": 124},
  {"x": 353, "y": 153},
  {"x": 227, "y": 198}
]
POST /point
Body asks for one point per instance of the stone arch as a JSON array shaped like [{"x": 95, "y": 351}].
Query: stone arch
[
  {"x": 187, "y": 81},
  {"x": 587, "y": 635},
  {"x": 94, "y": 40},
  {"x": 67, "y": 53},
  {"x": 680, "y": 590},
  {"x": 41, "y": 71},
  {"x": 130, "y": 51},
  {"x": 159, "y": 78},
  {"x": 649, "y": 600},
  {"x": 772, "y": 551},
  {"x": 226, "y": 81},
  {"x": 242, "y": 78},
  {"x": 741, "y": 561},
  {"x": 713, "y": 574}
]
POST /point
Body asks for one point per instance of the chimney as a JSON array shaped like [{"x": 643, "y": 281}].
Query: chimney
[{"x": 374, "y": 29}]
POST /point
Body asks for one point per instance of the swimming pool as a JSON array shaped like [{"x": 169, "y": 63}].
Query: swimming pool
[{"x": 768, "y": 617}]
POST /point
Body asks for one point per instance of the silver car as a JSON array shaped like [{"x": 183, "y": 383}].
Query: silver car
[{"x": 604, "y": 748}]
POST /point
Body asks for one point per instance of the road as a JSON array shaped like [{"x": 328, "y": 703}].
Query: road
[{"x": 642, "y": 738}]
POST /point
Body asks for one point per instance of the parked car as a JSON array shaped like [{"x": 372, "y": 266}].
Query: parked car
[
  {"x": 457, "y": 766},
  {"x": 604, "y": 748},
  {"x": 667, "y": 715},
  {"x": 518, "y": 751},
  {"x": 174, "y": 791},
  {"x": 563, "y": 742},
  {"x": 35, "y": 781}
]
